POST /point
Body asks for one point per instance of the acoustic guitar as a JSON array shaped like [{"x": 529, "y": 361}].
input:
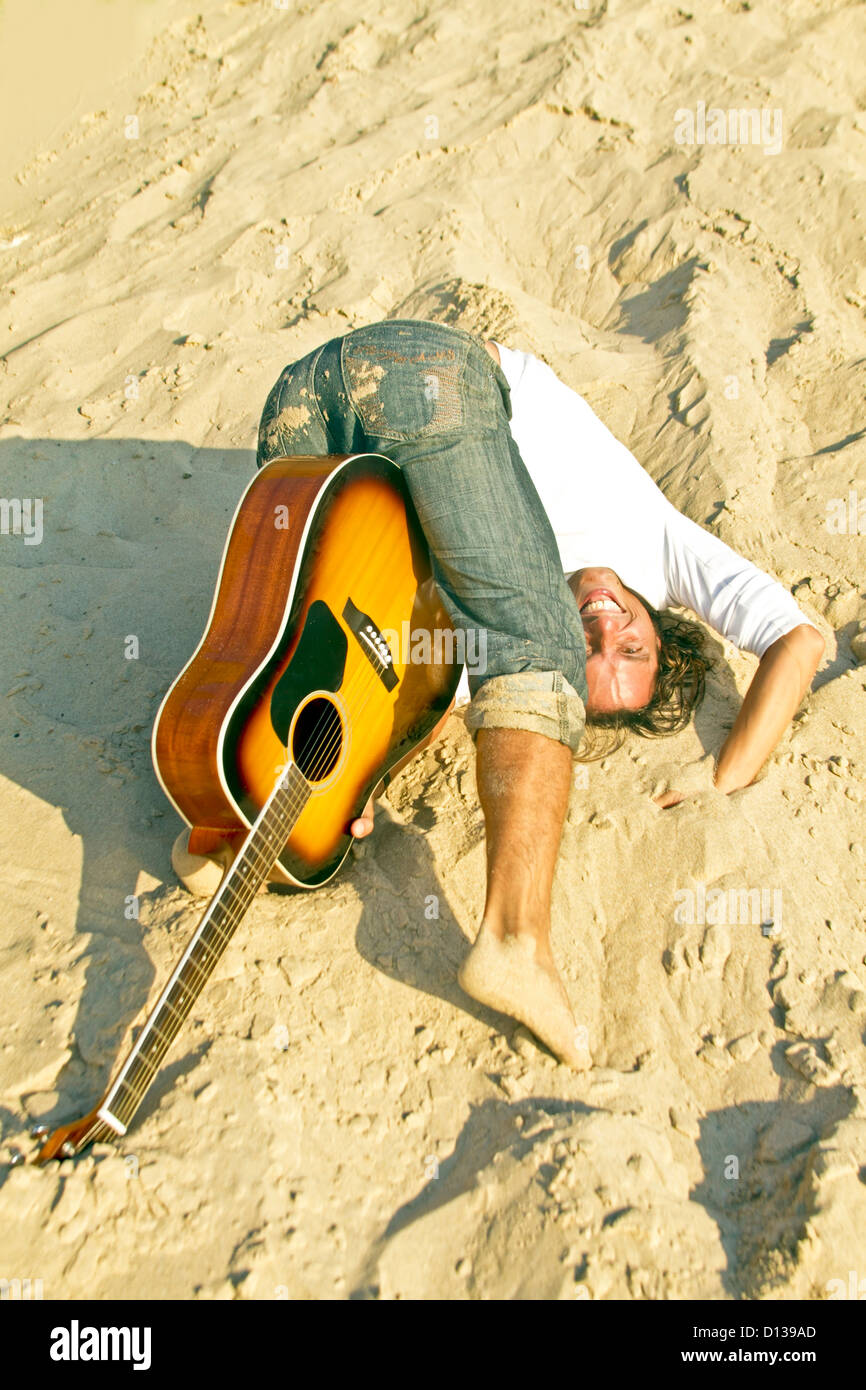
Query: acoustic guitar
[{"x": 300, "y": 696}]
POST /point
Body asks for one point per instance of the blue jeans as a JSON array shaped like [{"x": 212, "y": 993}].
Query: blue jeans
[{"x": 432, "y": 399}]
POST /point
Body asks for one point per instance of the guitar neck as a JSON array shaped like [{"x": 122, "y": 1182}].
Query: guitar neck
[{"x": 254, "y": 862}]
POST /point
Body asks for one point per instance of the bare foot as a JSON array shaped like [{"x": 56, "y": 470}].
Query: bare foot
[{"x": 508, "y": 975}]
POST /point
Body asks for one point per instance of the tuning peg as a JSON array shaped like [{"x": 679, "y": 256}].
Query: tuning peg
[
  {"x": 67, "y": 1150},
  {"x": 38, "y": 1131}
]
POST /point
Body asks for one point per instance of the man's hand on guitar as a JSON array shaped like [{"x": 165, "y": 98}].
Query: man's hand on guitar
[{"x": 363, "y": 826}]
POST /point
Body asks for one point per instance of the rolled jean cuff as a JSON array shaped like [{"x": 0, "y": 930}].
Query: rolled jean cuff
[{"x": 542, "y": 702}]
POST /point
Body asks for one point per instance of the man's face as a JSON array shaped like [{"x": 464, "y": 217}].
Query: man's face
[{"x": 621, "y": 643}]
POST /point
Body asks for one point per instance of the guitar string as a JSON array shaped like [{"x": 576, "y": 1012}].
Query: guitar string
[
  {"x": 262, "y": 852},
  {"x": 323, "y": 752},
  {"x": 270, "y": 838},
  {"x": 242, "y": 894},
  {"x": 277, "y": 831},
  {"x": 222, "y": 933},
  {"x": 231, "y": 917},
  {"x": 320, "y": 755},
  {"x": 165, "y": 1036}
]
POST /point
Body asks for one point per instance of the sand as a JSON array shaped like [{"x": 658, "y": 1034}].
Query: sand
[{"x": 339, "y": 1119}]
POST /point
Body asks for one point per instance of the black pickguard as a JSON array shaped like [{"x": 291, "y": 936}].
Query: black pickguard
[{"x": 318, "y": 663}]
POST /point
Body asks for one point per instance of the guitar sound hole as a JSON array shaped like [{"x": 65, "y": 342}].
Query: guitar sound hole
[{"x": 317, "y": 739}]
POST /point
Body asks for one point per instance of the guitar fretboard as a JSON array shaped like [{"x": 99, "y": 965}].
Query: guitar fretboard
[{"x": 257, "y": 857}]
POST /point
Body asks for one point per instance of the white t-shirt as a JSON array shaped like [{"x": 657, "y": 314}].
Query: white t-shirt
[{"x": 606, "y": 510}]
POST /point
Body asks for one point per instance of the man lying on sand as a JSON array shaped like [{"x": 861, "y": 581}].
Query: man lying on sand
[{"x": 546, "y": 534}]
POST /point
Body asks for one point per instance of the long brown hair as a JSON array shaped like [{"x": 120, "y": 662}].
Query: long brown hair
[{"x": 680, "y": 687}]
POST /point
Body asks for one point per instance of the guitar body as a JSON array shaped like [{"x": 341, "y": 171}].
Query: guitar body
[{"x": 306, "y": 659}]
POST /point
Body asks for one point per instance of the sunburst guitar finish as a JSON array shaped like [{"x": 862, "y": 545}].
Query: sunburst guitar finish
[
  {"x": 301, "y": 694},
  {"x": 298, "y": 667}
]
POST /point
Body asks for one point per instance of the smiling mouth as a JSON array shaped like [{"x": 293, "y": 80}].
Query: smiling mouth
[{"x": 600, "y": 601}]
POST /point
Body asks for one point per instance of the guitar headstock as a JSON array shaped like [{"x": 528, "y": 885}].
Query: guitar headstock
[{"x": 69, "y": 1140}]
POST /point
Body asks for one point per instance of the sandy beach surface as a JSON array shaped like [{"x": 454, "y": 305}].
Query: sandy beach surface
[{"x": 193, "y": 194}]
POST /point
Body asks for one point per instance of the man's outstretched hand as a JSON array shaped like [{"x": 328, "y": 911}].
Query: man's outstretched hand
[
  {"x": 783, "y": 676},
  {"x": 684, "y": 782}
]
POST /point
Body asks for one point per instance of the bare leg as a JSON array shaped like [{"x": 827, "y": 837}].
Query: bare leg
[{"x": 523, "y": 784}]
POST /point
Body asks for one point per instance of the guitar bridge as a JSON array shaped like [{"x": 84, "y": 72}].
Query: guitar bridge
[{"x": 372, "y": 643}]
